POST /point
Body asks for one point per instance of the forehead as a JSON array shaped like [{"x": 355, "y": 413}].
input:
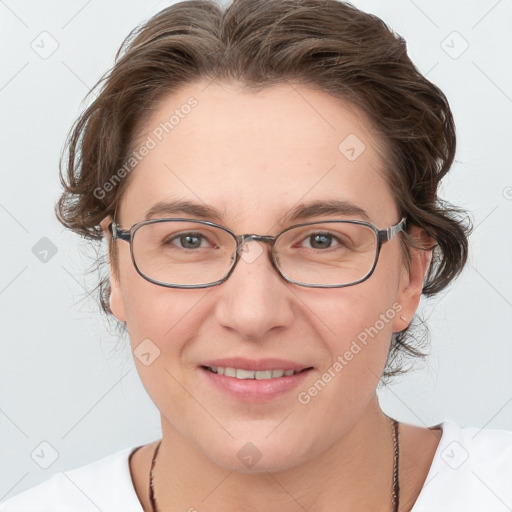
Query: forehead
[{"x": 254, "y": 156}]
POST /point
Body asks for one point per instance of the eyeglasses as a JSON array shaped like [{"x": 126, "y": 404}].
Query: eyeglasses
[{"x": 185, "y": 253}]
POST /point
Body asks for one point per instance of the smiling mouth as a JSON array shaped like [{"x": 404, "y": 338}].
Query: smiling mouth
[{"x": 239, "y": 373}]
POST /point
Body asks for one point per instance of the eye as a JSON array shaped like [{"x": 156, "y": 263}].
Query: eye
[
  {"x": 321, "y": 240},
  {"x": 189, "y": 240}
]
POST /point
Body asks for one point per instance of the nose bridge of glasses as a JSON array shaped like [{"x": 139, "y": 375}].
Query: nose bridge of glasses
[{"x": 242, "y": 239}]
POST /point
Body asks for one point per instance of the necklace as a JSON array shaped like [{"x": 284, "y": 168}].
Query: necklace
[{"x": 395, "y": 491}]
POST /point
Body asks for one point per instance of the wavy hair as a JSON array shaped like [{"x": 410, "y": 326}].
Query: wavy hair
[{"x": 325, "y": 44}]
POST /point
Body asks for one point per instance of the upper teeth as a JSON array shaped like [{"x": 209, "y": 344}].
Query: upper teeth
[{"x": 250, "y": 374}]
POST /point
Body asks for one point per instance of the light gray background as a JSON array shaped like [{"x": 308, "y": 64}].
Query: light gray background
[{"x": 67, "y": 382}]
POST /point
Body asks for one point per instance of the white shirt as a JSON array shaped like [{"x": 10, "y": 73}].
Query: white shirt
[{"x": 471, "y": 472}]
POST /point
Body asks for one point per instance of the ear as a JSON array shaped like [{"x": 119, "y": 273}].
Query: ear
[
  {"x": 412, "y": 278},
  {"x": 116, "y": 296}
]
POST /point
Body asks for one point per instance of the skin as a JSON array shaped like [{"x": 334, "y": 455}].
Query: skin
[{"x": 254, "y": 156}]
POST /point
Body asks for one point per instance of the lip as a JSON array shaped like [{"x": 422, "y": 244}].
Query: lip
[
  {"x": 256, "y": 365},
  {"x": 254, "y": 390}
]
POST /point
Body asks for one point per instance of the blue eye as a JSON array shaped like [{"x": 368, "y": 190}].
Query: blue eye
[
  {"x": 322, "y": 240},
  {"x": 188, "y": 240}
]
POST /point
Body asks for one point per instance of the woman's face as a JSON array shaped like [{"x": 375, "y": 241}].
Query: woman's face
[{"x": 254, "y": 157}]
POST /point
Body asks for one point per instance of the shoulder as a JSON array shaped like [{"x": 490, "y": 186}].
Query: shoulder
[
  {"x": 101, "y": 485},
  {"x": 471, "y": 471}
]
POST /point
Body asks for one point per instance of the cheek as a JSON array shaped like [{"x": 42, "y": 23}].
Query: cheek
[
  {"x": 356, "y": 324},
  {"x": 361, "y": 312},
  {"x": 360, "y": 331},
  {"x": 160, "y": 322},
  {"x": 150, "y": 309},
  {"x": 161, "y": 314}
]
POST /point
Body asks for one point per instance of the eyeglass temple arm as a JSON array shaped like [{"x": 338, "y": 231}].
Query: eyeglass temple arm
[
  {"x": 387, "y": 234},
  {"x": 119, "y": 233}
]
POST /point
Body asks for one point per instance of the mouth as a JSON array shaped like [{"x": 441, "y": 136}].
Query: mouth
[
  {"x": 240, "y": 373},
  {"x": 257, "y": 381}
]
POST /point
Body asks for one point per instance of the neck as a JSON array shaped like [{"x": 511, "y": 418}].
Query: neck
[{"x": 355, "y": 474}]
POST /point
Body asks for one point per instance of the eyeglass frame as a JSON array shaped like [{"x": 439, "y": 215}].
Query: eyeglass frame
[{"x": 382, "y": 236}]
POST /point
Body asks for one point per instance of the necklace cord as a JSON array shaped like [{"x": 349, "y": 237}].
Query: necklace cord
[
  {"x": 151, "y": 485},
  {"x": 396, "y": 485}
]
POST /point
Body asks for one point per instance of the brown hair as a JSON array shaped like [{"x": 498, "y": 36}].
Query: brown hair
[{"x": 325, "y": 44}]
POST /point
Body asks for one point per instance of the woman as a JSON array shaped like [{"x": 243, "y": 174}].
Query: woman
[{"x": 266, "y": 178}]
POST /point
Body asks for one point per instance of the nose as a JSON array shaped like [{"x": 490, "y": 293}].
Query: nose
[{"x": 255, "y": 299}]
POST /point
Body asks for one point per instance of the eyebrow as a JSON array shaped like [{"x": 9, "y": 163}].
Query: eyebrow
[
  {"x": 202, "y": 211},
  {"x": 330, "y": 207},
  {"x": 302, "y": 211}
]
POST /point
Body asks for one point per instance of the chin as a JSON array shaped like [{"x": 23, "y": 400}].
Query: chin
[{"x": 260, "y": 456}]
